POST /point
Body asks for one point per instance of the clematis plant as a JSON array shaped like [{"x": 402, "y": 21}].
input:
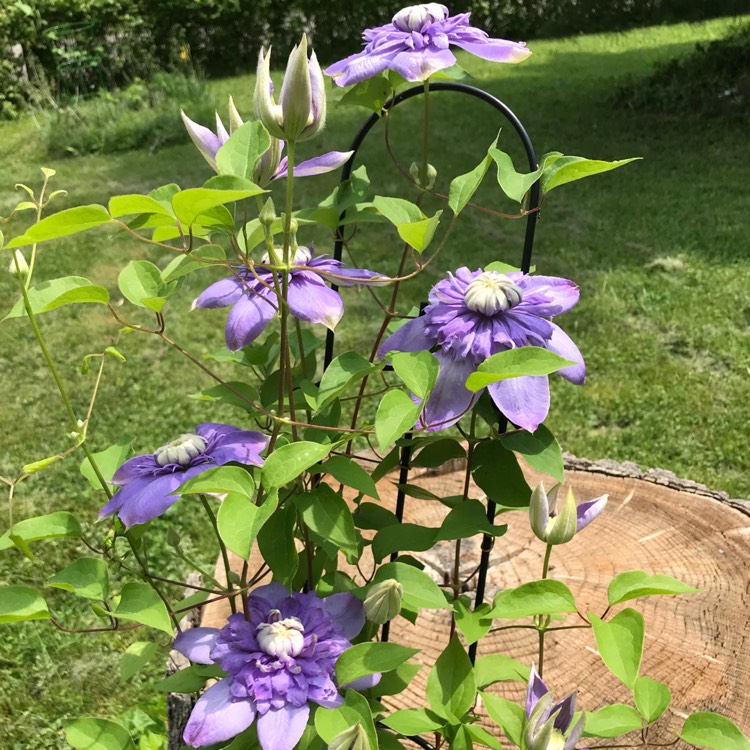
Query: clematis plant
[{"x": 315, "y": 565}]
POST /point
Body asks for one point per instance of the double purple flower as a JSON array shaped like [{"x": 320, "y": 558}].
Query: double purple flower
[
  {"x": 416, "y": 44},
  {"x": 474, "y": 314},
  {"x": 147, "y": 482},
  {"x": 254, "y": 301},
  {"x": 276, "y": 663},
  {"x": 549, "y": 726}
]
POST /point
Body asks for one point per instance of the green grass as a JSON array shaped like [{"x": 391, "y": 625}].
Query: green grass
[{"x": 659, "y": 250}]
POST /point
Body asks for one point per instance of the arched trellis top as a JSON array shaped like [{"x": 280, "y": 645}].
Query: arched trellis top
[{"x": 531, "y": 219}]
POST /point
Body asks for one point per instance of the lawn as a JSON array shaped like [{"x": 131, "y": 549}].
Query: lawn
[{"x": 658, "y": 249}]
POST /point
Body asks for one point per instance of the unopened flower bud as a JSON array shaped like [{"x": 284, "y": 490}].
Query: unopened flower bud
[
  {"x": 173, "y": 538},
  {"x": 19, "y": 264},
  {"x": 558, "y": 528},
  {"x": 415, "y": 170},
  {"x": 383, "y": 602},
  {"x": 267, "y": 214},
  {"x": 353, "y": 738},
  {"x": 235, "y": 119}
]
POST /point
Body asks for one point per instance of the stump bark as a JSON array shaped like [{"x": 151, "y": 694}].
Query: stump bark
[{"x": 698, "y": 644}]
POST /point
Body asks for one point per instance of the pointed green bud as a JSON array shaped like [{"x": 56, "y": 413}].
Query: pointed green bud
[
  {"x": 353, "y": 738},
  {"x": 539, "y": 512},
  {"x": 235, "y": 119},
  {"x": 267, "y": 214},
  {"x": 383, "y": 601},
  {"x": 266, "y": 110},
  {"x": 415, "y": 170},
  {"x": 295, "y": 92},
  {"x": 562, "y": 528},
  {"x": 19, "y": 264}
]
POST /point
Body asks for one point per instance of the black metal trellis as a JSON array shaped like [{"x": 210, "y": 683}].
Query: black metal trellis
[{"x": 531, "y": 219}]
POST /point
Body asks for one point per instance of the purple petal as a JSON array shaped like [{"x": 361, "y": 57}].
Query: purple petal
[
  {"x": 546, "y": 295},
  {"x": 206, "y": 141},
  {"x": 311, "y": 300},
  {"x": 363, "y": 683},
  {"x": 562, "y": 344},
  {"x": 282, "y": 728},
  {"x": 135, "y": 468},
  {"x": 223, "y": 293},
  {"x": 215, "y": 431},
  {"x": 450, "y": 398},
  {"x": 358, "y": 67},
  {"x": 216, "y": 717},
  {"x": 588, "y": 511},
  {"x": 124, "y": 495},
  {"x": 242, "y": 446},
  {"x": 221, "y": 131},
  {"x": 575, "y": 733},
  {"x": 197, "y": 643},
  {"x": 418, "y": 65},
  {"x": 411, "y": 337},
  {"x": 524, "y": 401},
  {"x": 535, "y": 691},
  {"x": 497, "y": 50},
  {"x": 248, "y": 319},
  {"x": 348, "y": 613},
  {"x": 272, "y": 594},
  {"x": 319, "y": 165},
  {"x": 566, "y": 708}
]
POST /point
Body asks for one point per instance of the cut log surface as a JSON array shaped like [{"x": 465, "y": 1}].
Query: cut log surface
[{"x": 699, "y": 644}]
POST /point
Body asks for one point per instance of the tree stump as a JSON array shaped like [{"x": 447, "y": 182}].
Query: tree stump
[{"x": 698, "y": 644}]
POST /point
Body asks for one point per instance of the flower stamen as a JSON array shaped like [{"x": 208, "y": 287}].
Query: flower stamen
[{"x": 492, "y": 292}]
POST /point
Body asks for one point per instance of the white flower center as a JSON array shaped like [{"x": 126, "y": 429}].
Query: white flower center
[
  {"x": 492, "y": 292},
  {"x": 282, "y": 638},
  {"x": 556, "y": 741},
  {"x": 181, "y": 451},
  {"x": 415, "y": 16},
  {"x": 302, "y": 256}
]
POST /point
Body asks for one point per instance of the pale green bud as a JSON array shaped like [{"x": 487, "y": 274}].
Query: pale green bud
[
  {"x": 267, "y": 214},
  {"x": 19, "y": 264},
  {"x": 235, "y": 119},
  {"x": 415, "y": 170},
  {"x": 546, "y": 523},
  {"x": 562, "y": 528},
  {"x": 353, "y": 738},
  {"x": 383, "y": 601}
]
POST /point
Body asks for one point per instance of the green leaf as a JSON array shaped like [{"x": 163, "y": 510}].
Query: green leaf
[
  {"x": 465, "y": 520},
  {"x": 107, "y": 461},
  {"x": 652, "y": 698},
  {"x": 49, "y": 295},
  {"x": 612, "y": 721},
  {"x": 97, "y": 734},
  {"x": 372, "y": 94},
  {"x": 401, "y": 537},
  {"x": 546, "y": 597},
  {"x": 186, "y": 263},
  {"x": 127, "y": 205},
  {"x": 63, "y": 223},
  {"x": 509, "y": 716},
  {"x": 19, "y": 603},
  {"x": 482, "y": 736},
  {"x": 136, "y": 656},
  {"x": 345, "y": 369},
  {"x": 559, "y": 169},
  {"x": 620, "y": 643},
  {"x": 327, "y": 516},
  {"x": 397, "y": 680},
  {"x": 497, "y": 473},
  {"x": 189, "y": 204},
  {"x": 239, "y": 155},
  {"x": 140, "y": 603},
  {"x": 397, "y": 210},
  {"x": 499, "y": 668},
  {"x": 473, "y": 624},
  {"x": 514, "y": 184},
  {"x": 240, "y": 519},
  {"x": 635, "y": 583},
  {"x": 396, "y": 414},
  {"x": 369, "y": 658},
  {"x": 86, "y": 577},
  {"x": 464, "y": 186},
  {"x": 222, "y": 479},
  {"x": 438, "y": 452},
  {"x": 289, "y": 461},
  {"x": 51, "y": 526},
  {"x": 419, "y": 234},
  {"x": 514, "y": 363},
  {"x": 355, "y": 709},
  {"x": 141, "y": 283},
  {"x": 276, "y": 543},
  {"x": 540, "y": 449},
  {"x": 233, "y": 392},
  {"x": 420, "y": 591},
  {"x": 713, "y": 731},
  {"x": 413, "y": 721},
  {"x": 451, "y": 686},
  {"x": 350, "y": 473},
  {"x": 190, "y": 679},
  {"x": 418, "y": 371}
]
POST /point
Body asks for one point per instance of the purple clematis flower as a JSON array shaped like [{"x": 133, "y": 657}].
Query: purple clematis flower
[
  {"x": 147, "y": 483},
  {"x": 254, "y": 302},
  {"x": 548, "y": 724},
  {"x": 416, "y": 44},
  {"x": 277, "y": 662},
  {"x": 271, "y": 166},
  {"x": 555, "y": 526},
  {"x": 474, "y": 314}
]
